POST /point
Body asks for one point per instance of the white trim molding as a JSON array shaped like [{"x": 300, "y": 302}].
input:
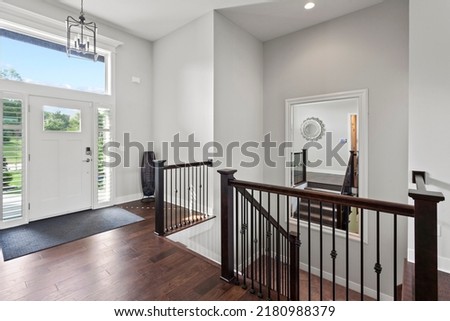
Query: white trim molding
[{"x": 443, "y": 262}]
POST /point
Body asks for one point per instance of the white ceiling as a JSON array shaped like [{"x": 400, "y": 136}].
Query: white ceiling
[
  {"x": 265, "y": 19},
  {"x": 271, "y": 20}
]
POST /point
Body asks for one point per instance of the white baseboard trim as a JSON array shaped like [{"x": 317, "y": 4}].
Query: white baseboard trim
[
  {"x": 352, "y": 285},
  {"x": 443, "y": 262},
  {"x": 127, "y": 198}
]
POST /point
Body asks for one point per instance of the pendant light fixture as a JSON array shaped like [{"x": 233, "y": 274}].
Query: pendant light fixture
[{"x": 81, "y": 37}]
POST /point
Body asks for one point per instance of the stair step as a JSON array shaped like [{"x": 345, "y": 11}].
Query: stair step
[
  {"x": 327, "y": 220},
  {"x": 327, "y": 208},
  {"x": 324, "y": 186},
  {"x": 316, "y": 204}
]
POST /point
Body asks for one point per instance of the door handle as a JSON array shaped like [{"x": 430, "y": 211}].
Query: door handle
[{"x": 87, "y": 160}]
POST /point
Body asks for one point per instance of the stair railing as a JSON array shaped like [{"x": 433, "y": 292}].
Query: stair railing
[
  {"x": 182, "y": 195},
  {"x": 262, "y": 253}
]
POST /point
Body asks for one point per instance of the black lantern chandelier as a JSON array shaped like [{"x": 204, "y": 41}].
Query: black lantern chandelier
[{"x": 81, "y": 37}]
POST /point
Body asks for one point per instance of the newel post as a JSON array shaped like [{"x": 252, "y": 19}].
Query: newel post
[
  {"x": 159, "y": 197},
  {"x": 425, "y": 239},
  {"x": 227, "y": 223}
]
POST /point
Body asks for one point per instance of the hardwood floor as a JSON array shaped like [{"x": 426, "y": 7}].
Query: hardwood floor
[
  {"x": 128, "y": 264},
  {"x": 408, "y": 283}
]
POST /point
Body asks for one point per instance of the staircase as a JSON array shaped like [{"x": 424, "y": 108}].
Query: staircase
[
  {"x": 311, "y": 209},
  {"x": 263, "y": 254}
]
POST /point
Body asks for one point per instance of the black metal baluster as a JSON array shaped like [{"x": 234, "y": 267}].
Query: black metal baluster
[
  {"x": 395, "y": 257},
  {"x": 269, "y": 251},
  {"x": 184, "y": 198},
  {"x": 180, "y": 193},
  {"x": 196, "y": 194},
  {"x": 284, "y": 265},
  {"x": 243, "y": 240},
  {"x": 200, "y": 186},
  {"x": 236, "y": 232},
  {"x": 166, "y": 201},
  {"x": 171, "y": 199},
  {"x": 298, "y": 237},
  {"x": 347, "y": 254},
  {"x": 252, "y": 239},
  {"x": 278, "y": 280},
  {"x": 333, "y": 252},
  {"x": 203, "y": 190},
  {"x": 176, "y": 198},
  {"x": 286, "y": 255},
  {"x": 361, "y": 240},
  {"x": 247, "y": 236},
  {"x": 378, "y": 267},
  {"x": 207, "y": 190},
  {"x": 261, "y": 239},
  {"x": 190, "y": 195},
  {"x": 309, "y": 250},
  {"x": 321, "y": 250}
]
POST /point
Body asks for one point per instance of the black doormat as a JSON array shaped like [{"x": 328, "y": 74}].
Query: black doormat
[{"x": 43, "y": 234}]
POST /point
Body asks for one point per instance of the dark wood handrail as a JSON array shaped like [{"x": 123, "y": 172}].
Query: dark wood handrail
[
  {"x": 366, "y": 203},
  {"x": 208, "y": 163},
  {"x": 419, "y": 178}
]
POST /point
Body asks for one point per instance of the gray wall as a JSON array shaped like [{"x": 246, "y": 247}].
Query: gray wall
[
  {"x": 429, "y": 108},
  {"x": 366, "y": 49},
  {"x": 183, "y": 86},
  {"x": 238, "y": 66}
]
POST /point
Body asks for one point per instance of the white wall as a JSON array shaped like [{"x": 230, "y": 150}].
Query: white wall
[
  {"x": 238, "y": 75},
  {"x": 183, "y": 86},
  {"x": 133, "y": 110},
  {"x": 429, "y": 115},
  {"x": 237, "y": 118},
  {"x": 133, "y": 58},
  {"x": 365, "y": 49}
]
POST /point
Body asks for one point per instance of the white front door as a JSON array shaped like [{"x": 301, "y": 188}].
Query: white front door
[{"x": 61, "y": 167}]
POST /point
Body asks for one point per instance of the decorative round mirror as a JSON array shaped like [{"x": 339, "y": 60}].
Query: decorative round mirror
[{"x": 312, "y": 129}]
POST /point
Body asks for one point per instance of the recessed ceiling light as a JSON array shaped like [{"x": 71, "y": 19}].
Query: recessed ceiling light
[{"x": 310, "y": 5}]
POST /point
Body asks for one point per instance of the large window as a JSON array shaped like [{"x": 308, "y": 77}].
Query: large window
[
  {"x": 13, "y": 164},
  {"x": 38, "y": 61}
]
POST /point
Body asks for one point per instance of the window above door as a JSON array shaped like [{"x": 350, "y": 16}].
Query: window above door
[{"x": 35, "y": 60}]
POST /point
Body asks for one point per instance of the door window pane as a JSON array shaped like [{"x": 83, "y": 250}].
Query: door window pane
[{"x": 62, "y": 119}]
